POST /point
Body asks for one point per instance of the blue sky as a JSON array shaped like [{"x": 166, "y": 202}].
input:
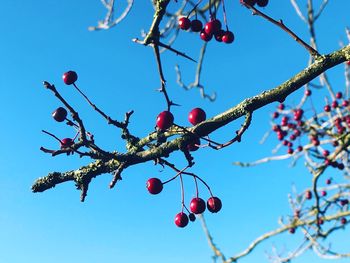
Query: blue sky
[{"x": 43, "y": 39}]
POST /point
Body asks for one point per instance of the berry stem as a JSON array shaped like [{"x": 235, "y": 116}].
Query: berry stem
[
  {"x": 314, "y": 53},
  {"x": 194, "y": 8},
  {"x": 178, "y": 173},
  {"x": 182, "y": 193},
  {"x": 52, "y": 135},
  {"x": 224, "y": 12}
]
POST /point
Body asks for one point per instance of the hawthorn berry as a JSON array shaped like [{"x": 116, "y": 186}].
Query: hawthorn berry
[
  {"x": 345, "y": 103},
  {"x": 70, "y": 77},
  {"x": 339, "y": 95},
  {"x": 214, "y": 204},
  {"x": 197, "y": 205},
  {"x": 308, "y": 92},
  {"x": 204, "y": 36},
  {"x": 262, "y": 3},
  {"x": 327, "y": 108},
  {"x": 228, "y": 37},
  {"x": 344, "y": 202},
  {"x": 281, "y": 106},
  {"x": 308, "y": 194},
  {"x": 60, "y": 114},
  {"x": 323, "y": 193},
  {"x": 325, "y": 153},
  {"x": 197, "y": 115},
  {"x": 181, "y": 219},
  {"x": 300, "y": 148},
  {"x": 154, "y": 186},
  {"x": 218, "y": 35},
  {"x": 193, "y": 146},
  {"x": 343, "y": 221},
  {"x": 212, "y": 27},
  {"x": 164, "y": 120},
  {"x": 192, "y": 217},
  {"x": 196, "y": 25},
  {"x": 334, "y": 104},
  {"x": 292, "y": 230},
  {"x": 184, "y": 23},
  {"x": 328, "y": 181},
  {"x": 66, "y": 142}
]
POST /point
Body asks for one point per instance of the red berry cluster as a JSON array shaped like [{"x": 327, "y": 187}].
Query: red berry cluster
[
  {"x": 154, "y": 185},
  {"x": 211, "y": 28}
]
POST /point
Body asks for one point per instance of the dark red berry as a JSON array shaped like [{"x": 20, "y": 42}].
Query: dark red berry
[
  {"x": 197, "y": 115},
  {"x": 320, "y": 221},
  {"x": 343, "y": 221},
  {"x": 292, "y": 230},
  {"x": 281, "y": 106},
  {"x": 196, "y": 25},
  {"x": 228, "y": 37},
  {"x": 325, "y": 153},
  {"x": 204, "y": 36},
  {"x": 344, "y": 202},
  {"x": 327, "y": 108},
  {"x": 154, "y": 186},
  {"x": 328, "y": 181},
  {"x": 197, "y": 205},
  {"x": 334, "y": 104},
  {"x": 339, "y": 95},
  {"x": 214, "y": 204},
  {"x": 300, "y": 148},
  {"x": 308, "y": 92},
  {"x": 345, "y": 103},
  {"x": 164, "y": 120},
  {"x": 212, "y": 27},
  {"x": 290, "y": 150},
  {"x": 192, "y": 217},
  {"x": 218, "y": 35},
  {"x": 194, "y": 145},
  {"x": 184, "y": 23},
  {"x": 66, "y": 142},
  {"x": 181, "y": 219},
  {"x": 275, "y": 115},
  {"x": 262, "y": 3},
  {"x": 308, "y": 194},
  {"x": 323, "y": 193},
  {"x": 59, "y": 114},
  {"x": 70, "y": 77}
]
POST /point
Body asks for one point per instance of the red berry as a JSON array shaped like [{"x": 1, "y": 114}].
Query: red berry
[
  {"x": 343, "y": 221},
  {"x": 192, "y": 217},
  {"x": 181, "y": 219},
  {"x": 184, "y": 23},
  {"x": 212, "y": 27},
  {"x": 281, "y": 106},
  {"x": 154, "y": 186},
  {"x": 196, "y": 25},
  {"x": 262, "y": 3},
  {"x": 66, "y": 142},
  {"x": 344, "y": 202},
  {"x": 325, "y": 153},
  {"x": 275, "y": 115},
  {"x": 214, "y": 204},
  {"x": 323, "y": 193},
  {"x": 290, "y": 150},
  {"x": 320, "y": 221},
  {"x": 218, "y": 35},
  {"x": 308, "y": 194},
  {"x": 70, "y": 77},
  {"x": 164, "y": 120},
  {"x": 308, "y": 92},
  {"x": 228, "y": 37},
  {"x": 197, "y": 205},
  {"x": 204, "y": 36},
  {"x": 197, "y": 115},
  {"x": 292, "y": 230},
  {"x": 327, "y": 108},
  {"x": 339, "y": 95},
  {"x": 334, "y": 104},
  {"x": 345, "y": 103},
  {"x": 194, "y": 145},
  {"x": 300, "y": 148},
  {"x": 59, "y": 114},
  {"x": 328, "y": 181}
]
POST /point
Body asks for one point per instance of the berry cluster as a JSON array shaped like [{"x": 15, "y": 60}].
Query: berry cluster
[
  {"x": 211, "y": 28},
  {"x": 197, "y": 204},
  {"x": 60, "y": 114},
  {"x": 333, "y": 122},
  {"x": 154, "y": 185}
]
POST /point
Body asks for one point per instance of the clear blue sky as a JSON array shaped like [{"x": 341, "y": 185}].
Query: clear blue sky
[{"x": 42, "y": 39}]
